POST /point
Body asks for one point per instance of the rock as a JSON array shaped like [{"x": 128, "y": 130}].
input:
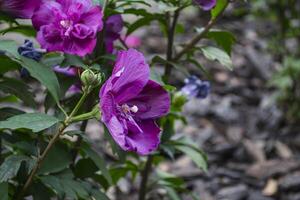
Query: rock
[
  {"x": 272, "y": 168},
  {"x": 258, "y": 196},
  {"x": 238, "y": 192},
  {"x": 295, "y": 196},
  {"x": 290, "y": 183},
  {"x": 271, "y": 188},
  {"x": 255, "y": 150}
]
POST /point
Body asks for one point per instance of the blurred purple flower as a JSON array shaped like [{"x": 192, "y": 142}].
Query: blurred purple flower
[
  {"x": 27, "y": 50},
  {"x": 195, "y": 88},
  {"x": 113, "y": 27},
  {"x": 68, "y": 71},
  {"x": 69, "y": 26},
  {"x": 206, "y": 4},
  {"x": 132, "y": 41},
  {"x": 19, "y": 8},
  {"x": 130, "y": 104}
]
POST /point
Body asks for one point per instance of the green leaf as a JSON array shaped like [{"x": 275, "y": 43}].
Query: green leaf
[
  {"x": 172, "y": 193},
  {"x": 213, "y": 53},
  {"x": 10, "y": 47},
  {"x": 43, "y": 74},
  {"x": 98, "y": 195},
  {"x": 99, "y": 161},
  {"x": 219, "y": 8},
  {"x": 33, "y": 121},
  {"x": 4, "y": 191},
  {"x": 19, "y": 89},
  {"x": 7, "y": 64},
  {"x": 52, "y": 59},
  {"x": 8, "y": 112},
  {"x": 53, "y": 183},
  {"x": 195, "y": 155},
  {"x": 22, "y": 29},
  {"x": 224, "y": 39},
  {"x": 11, "y": 166},
  {"x": 58, "y": 159}
]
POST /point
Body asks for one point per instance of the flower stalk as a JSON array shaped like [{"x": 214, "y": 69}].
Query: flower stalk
[
  {"x": 191, "y": 44},
  {"x": 145, "y": 176},
  {"x": 53, "y": 140}
]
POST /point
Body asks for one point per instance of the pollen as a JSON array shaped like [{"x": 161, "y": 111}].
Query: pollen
[{"x": 134, "y": 109}]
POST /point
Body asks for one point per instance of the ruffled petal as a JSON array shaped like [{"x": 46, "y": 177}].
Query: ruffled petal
[
  {"x": 20, "y": 8},
  {"x": 93, "y": 19},
  {"x": 146, "y": 142},
  {"x": 152, "y": 102},
  {"x": 49, "y": 12},
  {"x": 50, "y": 38}
]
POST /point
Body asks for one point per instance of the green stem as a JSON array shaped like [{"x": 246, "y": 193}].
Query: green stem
[
  {"x": 86, "y": 116},
  {"x": 86, "y": 91},
  {"x": 53, "y": 140},
  {"x": 145, "y": 176},
  {"x": 200, "y": 36},
  {"x": 171, "y": 35}
]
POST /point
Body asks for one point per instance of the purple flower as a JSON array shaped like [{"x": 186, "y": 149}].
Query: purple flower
[
  {"x": 132, "y": 41},
  {"x": 68, "y": 71},
  {"x": 113, "y": 27},
  {"x": 130, "y": 104},
  {"x": 27, "y": 50},
  {"x": 19, "y": 8},
  {"x": 69, "y": 26},
  {"x": 195, "y": 88},
  {"x": 206, "y": 4}
]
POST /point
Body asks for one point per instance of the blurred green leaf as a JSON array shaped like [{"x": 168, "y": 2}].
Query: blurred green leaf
[
  {"x": 44, "y": 74},
  {"x": 19, "y": 89},
  {"x": 4, "y": 191},
  {"x": 213, "y": 53},
  {"x": 220, "y": 6},
  {"x": 26, "y": 30},
  {"x": 58, "y": 159},
  {"x": 98, "y": 160}
]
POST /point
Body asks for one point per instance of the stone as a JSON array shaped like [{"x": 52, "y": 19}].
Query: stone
[{"x": 237, "y": 192}]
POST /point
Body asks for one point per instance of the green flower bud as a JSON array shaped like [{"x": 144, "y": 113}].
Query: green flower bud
[{"x": 89, "y": 78}]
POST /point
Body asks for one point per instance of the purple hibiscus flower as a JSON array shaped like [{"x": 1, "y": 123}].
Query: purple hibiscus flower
[
  {"x": 69, "y": 26},
  {"x": 206, "y": 4},
  {"x": 130, "y": 104},
  {"x": 113, "y": 27},
  {"x": 19, "y": 8}
]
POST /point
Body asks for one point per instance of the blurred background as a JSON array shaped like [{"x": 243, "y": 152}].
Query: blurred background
[{"x": 249, "y": 125}]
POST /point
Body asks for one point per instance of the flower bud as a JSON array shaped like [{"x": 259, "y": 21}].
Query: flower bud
[{"x": 89, "y": 78}]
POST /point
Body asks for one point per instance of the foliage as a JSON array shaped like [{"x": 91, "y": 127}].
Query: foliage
[{"x": 40, "y": 158}]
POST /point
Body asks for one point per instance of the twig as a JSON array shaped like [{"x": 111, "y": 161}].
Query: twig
[
  {"x": 51, "y": 144},
  {"x": 145, "y": 175},
  {"x": 198, "y": 37},
  {"x": 171, "y": 35}
]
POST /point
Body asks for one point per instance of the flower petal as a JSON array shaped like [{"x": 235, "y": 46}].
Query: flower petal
[
  {"x": 147, "y": 141},
  {"x": 19, "y": 8},
  {"x": 48, "y": 13},
  {"x": 116, "y": 128},
  {"x": 131, "y": 73},
  {"x": 152, "y": 102},
  {"x": 207, "y": 4}
]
